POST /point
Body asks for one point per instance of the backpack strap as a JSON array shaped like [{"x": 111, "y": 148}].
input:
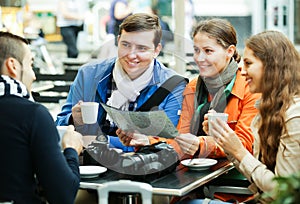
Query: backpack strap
[{"x": 160, "y": 94}]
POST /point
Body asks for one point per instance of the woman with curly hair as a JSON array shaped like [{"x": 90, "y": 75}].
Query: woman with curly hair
[{"x": 271, "y": 67}]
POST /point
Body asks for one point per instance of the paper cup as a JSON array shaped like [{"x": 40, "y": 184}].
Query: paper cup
[
  {"x": 213, "y": 117},
  {"x": 61, "y": 131},
  {"x": 89, "y": 111}
]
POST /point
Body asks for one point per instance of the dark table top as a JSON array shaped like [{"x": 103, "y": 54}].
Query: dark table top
[{"x": 177, "y": 183}]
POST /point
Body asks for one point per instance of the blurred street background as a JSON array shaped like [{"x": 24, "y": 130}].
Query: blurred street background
[{"x": 55, "y": 71}]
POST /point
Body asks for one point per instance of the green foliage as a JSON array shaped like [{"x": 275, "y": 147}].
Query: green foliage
[{"x": 287, "y": 190}]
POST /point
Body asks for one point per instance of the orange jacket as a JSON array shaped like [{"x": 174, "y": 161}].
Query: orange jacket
[{"x": 240, "y": 108}]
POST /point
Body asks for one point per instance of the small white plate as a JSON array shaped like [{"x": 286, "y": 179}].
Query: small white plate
[
  {"x": 199, "y": 164},
  {"x": 91, "y": 171}
]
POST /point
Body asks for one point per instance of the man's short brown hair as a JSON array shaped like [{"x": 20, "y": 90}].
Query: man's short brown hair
[{"x": 142, "y": 22}]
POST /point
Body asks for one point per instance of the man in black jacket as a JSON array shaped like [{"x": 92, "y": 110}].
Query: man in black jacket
[{"x": 31, "y": 157}]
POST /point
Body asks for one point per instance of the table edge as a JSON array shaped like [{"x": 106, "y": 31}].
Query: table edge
[{"x": 174, "y": 192}]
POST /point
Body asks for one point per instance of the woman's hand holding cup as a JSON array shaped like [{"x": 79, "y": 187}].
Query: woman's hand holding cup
[{"x": 212, "y": 117}]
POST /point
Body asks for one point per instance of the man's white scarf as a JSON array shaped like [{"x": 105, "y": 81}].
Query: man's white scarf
[
  {"x": 10, "y": 86},
  {"x": 127, "y": 90}
]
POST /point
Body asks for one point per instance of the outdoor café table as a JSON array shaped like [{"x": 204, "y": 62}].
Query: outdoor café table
[{"x": 178, "y": 183}]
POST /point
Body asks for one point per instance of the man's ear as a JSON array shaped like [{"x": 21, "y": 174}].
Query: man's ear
[
  {"x": 10, "y": 67},
  {"x": 157, "y": 50}
]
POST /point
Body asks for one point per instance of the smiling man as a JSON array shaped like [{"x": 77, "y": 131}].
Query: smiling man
[{"x": 125, "y": 82}]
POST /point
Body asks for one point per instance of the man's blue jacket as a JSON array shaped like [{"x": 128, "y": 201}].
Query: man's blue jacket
[{"x": 92, "y": 82}]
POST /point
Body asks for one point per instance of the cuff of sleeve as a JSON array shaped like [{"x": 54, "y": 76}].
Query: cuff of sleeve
[
  {"x": 248, "y": 165},
  {"x": 71, "y": 152},
  {"x": 209, "y": 148},
  {"x": 114, "y": 142}
]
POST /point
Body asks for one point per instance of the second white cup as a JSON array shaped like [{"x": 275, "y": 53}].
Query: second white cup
[
  {"x": 213, "y": 117},
  {"x": 61, "y": 131},
  {"x": 89, "y": 111}
]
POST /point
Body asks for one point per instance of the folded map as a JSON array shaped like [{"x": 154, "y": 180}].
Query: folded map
[{"x": 154, "y": 123}]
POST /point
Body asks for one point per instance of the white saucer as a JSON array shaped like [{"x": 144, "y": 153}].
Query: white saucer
[
  {"x": 91, "y": 171},
  {"x": 199, "y": 164}
]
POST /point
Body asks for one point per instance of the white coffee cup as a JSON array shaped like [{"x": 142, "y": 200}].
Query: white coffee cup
[
  {"x": 213, "y": 117},
  {"x": 89, "y": 112},
  {"x": 61, "y": 131}
]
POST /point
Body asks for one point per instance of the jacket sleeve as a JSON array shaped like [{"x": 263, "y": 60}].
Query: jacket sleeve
[
  {"x": 247, "y": 112},
  {"x": 287, "y": 159},
  {"x": 187, "y": 109},
  {"x": 57, "y": 173},
  {"x": 75, "y": 94}
]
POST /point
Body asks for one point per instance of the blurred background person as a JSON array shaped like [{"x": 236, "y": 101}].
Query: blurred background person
[
  {"x": 167, "y": 34},
  {"x": 70, "y": 19},
  {"x": 141, "y": 6},
  {"x": 32, "y": 25},
  {"x": 118, "y": 11},
  {"x": 190, "y": 21}
]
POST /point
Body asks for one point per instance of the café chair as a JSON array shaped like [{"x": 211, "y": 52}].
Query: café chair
[{"x": 125, "y": 186}]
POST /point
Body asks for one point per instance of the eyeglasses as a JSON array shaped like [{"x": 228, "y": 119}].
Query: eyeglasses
[{"x": 137, "y": 49}]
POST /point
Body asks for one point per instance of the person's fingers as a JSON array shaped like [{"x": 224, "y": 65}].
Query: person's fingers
[
  {"x": 70, "y": 128},
  {"x": 182, "y": 145},
  {"x": 73, "y": 139},
  {"x": 127, "y": 141},
  {"x": 223, "y": 128},
  {"x": 206, "y": 116},
  {"x": 211, "y": 111},
  {"x": 178, "y": 139},
  {"x": 216, "y": 133},
  {"x": 188, "y": 146},
  {"x": 205, "y": 126},
  {"x": 221, "y": 123},
  {"x": 118, "y": 131},
  {"x": 122, "y": 138}
]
